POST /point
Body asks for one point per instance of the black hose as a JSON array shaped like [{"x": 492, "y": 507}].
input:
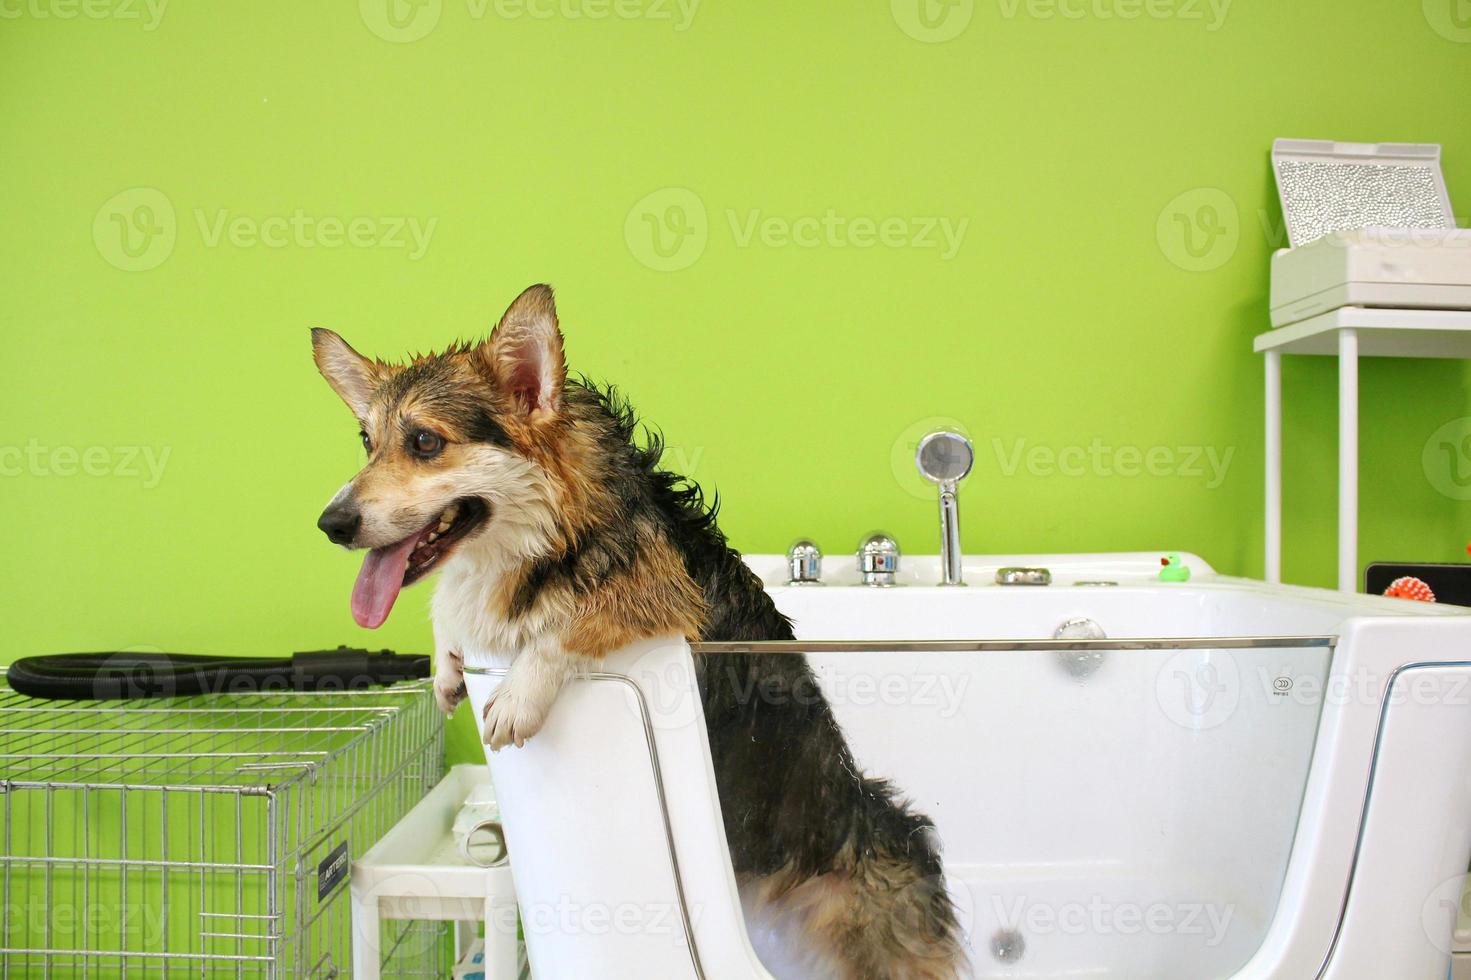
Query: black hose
[{"x": 120, "y": 676}]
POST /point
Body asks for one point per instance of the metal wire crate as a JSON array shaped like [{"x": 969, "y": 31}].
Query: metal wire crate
[{"x": 205, "y": 836}]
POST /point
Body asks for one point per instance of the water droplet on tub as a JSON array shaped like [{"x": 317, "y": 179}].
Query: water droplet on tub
[
  {"x": 1080, "y": 664},
  {"x": 1008, "y": 946}
]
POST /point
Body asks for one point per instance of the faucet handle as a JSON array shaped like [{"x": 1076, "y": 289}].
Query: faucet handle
[
  {"x": 878, "y": 559},
  {"x": 804, "y": 563}
]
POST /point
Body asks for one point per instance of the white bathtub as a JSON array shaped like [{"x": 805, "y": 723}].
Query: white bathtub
[{"x": 1289, "y": 806}]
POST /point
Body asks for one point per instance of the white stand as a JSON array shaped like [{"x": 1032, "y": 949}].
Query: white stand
[
  {"x": 1348, "y": 332},
  {"x": 416, "y": 872}
]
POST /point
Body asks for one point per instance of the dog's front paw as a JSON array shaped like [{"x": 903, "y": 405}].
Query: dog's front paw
[
  {"x": 511, "y": 718},
  {"x": 449, "y": 682}
]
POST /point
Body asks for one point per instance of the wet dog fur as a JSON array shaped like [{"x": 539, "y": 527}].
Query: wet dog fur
[{"x": 565, "y": 541}]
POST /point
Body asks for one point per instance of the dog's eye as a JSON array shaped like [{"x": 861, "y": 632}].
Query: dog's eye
[
  {"x": 367, "y": 443},
  {"x": 427, "y": 443}
]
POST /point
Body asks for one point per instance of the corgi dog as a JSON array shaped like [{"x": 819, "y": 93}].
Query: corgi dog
[{"x": 558, "y": 538}]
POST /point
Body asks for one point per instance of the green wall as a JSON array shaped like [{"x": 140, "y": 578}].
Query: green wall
[{"x": 166, "y": 443}]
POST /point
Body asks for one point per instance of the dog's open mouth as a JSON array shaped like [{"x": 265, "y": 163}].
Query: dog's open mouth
[{"x": 388, "y": 569}]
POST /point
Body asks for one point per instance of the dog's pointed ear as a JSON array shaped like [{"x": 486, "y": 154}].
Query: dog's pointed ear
[
  {"x": 524, "y": 353},
  {"x": 349, "y": 373}
]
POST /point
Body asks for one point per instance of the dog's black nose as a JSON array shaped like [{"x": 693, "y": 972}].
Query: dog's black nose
[{"x": 340, "y": 523}]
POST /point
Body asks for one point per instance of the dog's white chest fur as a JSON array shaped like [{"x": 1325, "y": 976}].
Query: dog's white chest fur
[
  {"x": 467, "y": 608},
  {"x": 466, "y": 617},
  {"x": 469, "y": 623}
]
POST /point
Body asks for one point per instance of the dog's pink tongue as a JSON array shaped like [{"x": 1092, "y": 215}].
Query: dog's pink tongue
[{"x": 379, "y": 581}]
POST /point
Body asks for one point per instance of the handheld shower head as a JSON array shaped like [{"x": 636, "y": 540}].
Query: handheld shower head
[{"x": 945, "y": 458}]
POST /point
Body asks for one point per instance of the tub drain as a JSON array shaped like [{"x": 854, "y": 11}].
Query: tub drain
[{"x": 1008, "y": 946}]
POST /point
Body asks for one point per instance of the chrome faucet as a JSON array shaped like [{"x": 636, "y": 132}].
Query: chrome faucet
[
  {"x": 804, "y": 563},
  {"x": 945, "y": 458},
  {"x": 878, "y": 560}
]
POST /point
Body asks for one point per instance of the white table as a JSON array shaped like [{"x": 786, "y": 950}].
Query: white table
[
  {"x": 416, "y": 872},
  {"x": 1350, "y": 332}
]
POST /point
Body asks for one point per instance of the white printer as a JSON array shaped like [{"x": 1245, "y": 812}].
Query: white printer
[{"x": 1370, "y": 225}]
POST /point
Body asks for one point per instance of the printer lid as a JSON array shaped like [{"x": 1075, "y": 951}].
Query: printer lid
[{"x": 1326, "y": 186}]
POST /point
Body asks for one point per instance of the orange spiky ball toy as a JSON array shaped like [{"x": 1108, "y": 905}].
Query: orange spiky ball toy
[{"x": 1409, "y": 587}]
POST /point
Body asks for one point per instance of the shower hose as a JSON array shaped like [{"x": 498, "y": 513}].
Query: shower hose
[{"x": 120, "y": 676}]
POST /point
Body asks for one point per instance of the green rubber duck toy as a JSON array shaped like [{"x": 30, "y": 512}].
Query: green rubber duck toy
[{"x": 1174, "y": 569}]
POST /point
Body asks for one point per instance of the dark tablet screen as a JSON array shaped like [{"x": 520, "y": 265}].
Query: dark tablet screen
[{"x": 1450, "y": 583}]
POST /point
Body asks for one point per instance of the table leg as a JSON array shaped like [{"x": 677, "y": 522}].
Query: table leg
[
  {"x": 1274, "y": 466},
  {"x": 1348, "y": 461},
  {"x": 501, "y": 946},
  {"x": 365, "y": 926},
  {"x": 464, "y": 938}
]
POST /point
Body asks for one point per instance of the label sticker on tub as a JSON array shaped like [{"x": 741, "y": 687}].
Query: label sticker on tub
[{"x": 332, "y": 871}]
